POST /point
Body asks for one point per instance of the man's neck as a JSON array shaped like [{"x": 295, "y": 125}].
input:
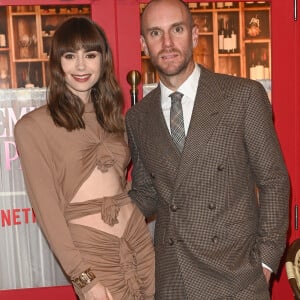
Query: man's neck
[{"x": 173, "y": 82}]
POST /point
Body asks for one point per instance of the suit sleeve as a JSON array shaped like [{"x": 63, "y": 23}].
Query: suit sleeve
[
  {"x": 142, "y": 191},
  {"x": 271, "y": 176},
  {"x": 43, "y": 192}
]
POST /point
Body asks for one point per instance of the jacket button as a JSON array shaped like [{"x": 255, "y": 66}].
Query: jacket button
[
  {"x": 212, "y": 206},
  {"x": 171, "y": 241},
  {"x": 215, "y": 239},
  {"x": 152, "y": 175},
  {"x": 173, "y": 208},
  {"x": 220, "y": 167}
]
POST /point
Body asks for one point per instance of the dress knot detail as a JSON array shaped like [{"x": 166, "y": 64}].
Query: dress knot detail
[
  {"x": 105, "y": 163},
  {"x": 104, "y": 159},
  {"x": 128, "y": 263},
  {"x": 110, "y": 211}
]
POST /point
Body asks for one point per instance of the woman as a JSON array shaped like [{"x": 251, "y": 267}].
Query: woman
[{"x": 74, "y": 158}]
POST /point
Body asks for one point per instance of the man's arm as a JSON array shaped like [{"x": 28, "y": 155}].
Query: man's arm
[
  {"x": 142, "y": 191},
  {"x": 271, "y": 176}
]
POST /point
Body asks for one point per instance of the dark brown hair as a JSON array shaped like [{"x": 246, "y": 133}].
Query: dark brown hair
[{"x": 66, "y": 109}]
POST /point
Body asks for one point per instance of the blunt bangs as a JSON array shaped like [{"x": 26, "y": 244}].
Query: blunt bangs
[{"x": 75, "y": 34}]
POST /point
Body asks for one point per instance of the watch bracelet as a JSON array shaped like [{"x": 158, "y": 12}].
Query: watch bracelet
[{"x": 84, "y": 278}]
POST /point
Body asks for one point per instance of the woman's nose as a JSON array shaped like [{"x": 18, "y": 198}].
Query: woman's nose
[{"x": 80, "y": 63}]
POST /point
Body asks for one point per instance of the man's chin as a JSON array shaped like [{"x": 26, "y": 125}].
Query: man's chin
[{"x": 170, "y": 71}]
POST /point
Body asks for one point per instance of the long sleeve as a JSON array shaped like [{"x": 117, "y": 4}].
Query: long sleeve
[
  {"x": 270, "y": 175},
  {"x": 46, "y": 199},
  {"x": 142, "y": 192}
]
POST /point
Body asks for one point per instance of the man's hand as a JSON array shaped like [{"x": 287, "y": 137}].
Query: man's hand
[{"x": 267, "y": 274}]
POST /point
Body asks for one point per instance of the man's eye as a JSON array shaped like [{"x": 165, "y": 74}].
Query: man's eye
[
  {"x": 155, "y": 33},
  {"x": 178, "y": 29}
]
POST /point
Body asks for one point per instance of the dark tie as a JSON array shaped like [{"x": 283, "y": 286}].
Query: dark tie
[{"x": 176, "y": 120}]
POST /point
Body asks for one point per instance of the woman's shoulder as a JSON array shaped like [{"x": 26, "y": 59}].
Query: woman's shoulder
[
  {"x": 40, "y": 114},
  {"x": 39, "y": 117}
]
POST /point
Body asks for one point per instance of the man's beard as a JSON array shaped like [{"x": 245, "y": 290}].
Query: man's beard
[{"x": 177, "y": 70}]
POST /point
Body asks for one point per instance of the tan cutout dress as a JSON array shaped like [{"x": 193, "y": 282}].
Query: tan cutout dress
[{"x": 55, "y": 164}]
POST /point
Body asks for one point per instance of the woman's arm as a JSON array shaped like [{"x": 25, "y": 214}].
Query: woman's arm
[{"x": 46, "y": 199}]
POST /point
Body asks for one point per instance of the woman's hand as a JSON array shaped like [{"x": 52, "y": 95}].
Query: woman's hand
[{"x": 98, "y": 292}]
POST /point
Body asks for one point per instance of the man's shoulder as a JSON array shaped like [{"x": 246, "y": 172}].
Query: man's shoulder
[
  {"x": 145, "y": 103},
  {"x": 221, "y": 76},
  {"x": 234, "y": 79},
  {"x": 227, "y": 82}
]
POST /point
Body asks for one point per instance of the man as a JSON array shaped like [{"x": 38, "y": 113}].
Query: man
[{"x": 220, "y": 192}]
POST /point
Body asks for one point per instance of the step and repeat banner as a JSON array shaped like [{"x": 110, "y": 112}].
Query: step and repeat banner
[{"x": 25, "y": 258}]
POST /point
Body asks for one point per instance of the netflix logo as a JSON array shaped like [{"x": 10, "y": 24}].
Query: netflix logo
[{"x": 16, "y": 216}]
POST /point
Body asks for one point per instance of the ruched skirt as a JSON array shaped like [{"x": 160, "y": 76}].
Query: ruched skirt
[{"x": 124, "y": 265}]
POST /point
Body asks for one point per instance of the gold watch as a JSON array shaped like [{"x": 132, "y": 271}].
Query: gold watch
[{"x": 84, "y": 278}]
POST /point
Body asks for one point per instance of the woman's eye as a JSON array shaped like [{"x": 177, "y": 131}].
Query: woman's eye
[
  {"x": 91, "y": 55},
  {"x": 68, "y": 56}
]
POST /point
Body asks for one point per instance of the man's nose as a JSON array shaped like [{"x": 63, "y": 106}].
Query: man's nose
[{"x": 167, "y": 40}]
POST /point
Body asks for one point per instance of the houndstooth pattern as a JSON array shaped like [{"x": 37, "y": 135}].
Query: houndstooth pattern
[
  {"x": 210, "y": 238},
  {"x": 176, "y": 120}
]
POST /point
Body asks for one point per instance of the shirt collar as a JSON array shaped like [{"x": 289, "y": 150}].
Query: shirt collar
[{"x": 188, "y": 87}]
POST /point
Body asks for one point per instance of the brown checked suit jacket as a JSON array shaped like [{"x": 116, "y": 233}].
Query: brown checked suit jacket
[{"x": 212, "y": 232}]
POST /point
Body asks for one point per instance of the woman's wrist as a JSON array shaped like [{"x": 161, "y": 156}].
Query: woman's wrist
[{"x": 84, "y": 278}]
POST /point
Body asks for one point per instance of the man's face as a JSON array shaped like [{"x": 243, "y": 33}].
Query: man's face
[{"x": 168, "y": 38}]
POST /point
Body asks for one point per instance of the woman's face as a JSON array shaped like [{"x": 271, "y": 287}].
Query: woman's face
[{"x": 82, "y": 71}]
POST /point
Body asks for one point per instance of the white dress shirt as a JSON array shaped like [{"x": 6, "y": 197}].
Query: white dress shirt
[{"x": 189, "y": 90}]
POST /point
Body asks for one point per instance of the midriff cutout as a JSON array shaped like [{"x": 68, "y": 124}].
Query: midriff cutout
[
  {"x": 95, "y": 221},
  {"x": 104, "y": 186},
  {"x": 98, "y": 185}
]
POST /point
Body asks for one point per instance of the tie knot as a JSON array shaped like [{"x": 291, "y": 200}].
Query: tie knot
[{"x": 176, "y": 96}]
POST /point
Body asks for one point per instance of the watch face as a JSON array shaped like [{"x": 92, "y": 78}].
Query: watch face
[{"x": 84, "y": 278}]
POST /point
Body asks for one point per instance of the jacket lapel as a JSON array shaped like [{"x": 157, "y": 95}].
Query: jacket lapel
[
  {"x": 209, "y": 107},
  {"x": 157, "y": 132}
]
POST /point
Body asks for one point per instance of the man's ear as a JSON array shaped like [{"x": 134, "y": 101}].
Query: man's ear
[{"x": 144, "y": 46}]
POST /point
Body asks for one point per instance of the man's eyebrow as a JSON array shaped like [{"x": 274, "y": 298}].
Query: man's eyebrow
[
  {"x": 178, "y": 24},
  {"x": 159, "y": 28},
  {"x": 153, "y": 28}
]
